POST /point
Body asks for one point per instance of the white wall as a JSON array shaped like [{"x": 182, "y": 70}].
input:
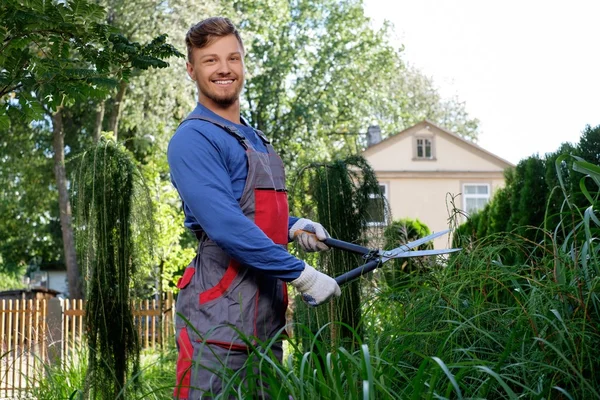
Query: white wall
[{"x": 57, "y": 280}]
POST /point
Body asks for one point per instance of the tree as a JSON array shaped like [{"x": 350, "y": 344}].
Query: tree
[
  {"x": 500, "y": 210},
  {"x": 30, "y": 230},
  {"x": 55, "y": 55},
  {"x": 529, "y": 202}
]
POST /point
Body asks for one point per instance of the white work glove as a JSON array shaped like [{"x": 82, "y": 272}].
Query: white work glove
[
  {"x": 308, "y": 235},
  {"x": 316, "y": 287}
]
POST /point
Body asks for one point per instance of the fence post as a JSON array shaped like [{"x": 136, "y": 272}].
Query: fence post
[{"x": 54, "y": 332}]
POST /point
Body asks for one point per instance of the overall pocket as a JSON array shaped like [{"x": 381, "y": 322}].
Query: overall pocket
[{"x": 185, "y": 280}]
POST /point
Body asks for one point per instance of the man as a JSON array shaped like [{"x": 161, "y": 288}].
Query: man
[{"x": 232, "y": 187}]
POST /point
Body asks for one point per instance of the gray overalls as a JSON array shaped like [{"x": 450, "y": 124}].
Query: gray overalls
[{"x": 219, "y": 296}]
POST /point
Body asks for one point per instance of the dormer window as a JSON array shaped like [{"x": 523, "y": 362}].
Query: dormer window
[{"x": 424, "y": 148}]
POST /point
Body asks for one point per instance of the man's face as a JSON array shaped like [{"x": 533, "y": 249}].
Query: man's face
[{"x": 218, "y": 70}]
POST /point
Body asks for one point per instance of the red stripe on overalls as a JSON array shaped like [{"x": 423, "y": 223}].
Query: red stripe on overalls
[{"x": 184, "y": 365}]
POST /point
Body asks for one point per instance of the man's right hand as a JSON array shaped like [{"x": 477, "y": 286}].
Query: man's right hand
[{"x": 316, "y": 287}]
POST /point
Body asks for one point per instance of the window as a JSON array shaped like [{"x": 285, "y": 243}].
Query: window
[
  {"x": 377, "y": 207},
  {"x": 476, "y": 196},
  {"x": 424, "y": 148}
]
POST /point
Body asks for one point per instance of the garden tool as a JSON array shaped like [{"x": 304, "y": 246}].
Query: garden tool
[{"x": 376, "y": 257}]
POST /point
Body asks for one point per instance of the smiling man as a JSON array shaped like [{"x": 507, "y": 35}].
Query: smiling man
[{"x": 232, "y": 186}]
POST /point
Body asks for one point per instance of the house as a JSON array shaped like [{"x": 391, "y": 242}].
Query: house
[
  {"x": 422, "y": 167},
  {"x": 50, "y": 277}
]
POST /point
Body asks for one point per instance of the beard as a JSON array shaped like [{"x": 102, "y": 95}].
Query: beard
[{"x": 220, "y": 97}]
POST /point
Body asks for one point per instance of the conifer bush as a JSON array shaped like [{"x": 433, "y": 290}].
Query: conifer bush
[{"x": 397, "y": 233}]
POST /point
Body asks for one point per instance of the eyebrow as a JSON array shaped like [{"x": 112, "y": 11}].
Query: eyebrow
[{"x": 215, "y": 55}]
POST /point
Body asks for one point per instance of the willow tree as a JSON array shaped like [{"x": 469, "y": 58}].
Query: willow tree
[
  {"x": 344, "y": 193},
  {"x": 112, "y": 214}
]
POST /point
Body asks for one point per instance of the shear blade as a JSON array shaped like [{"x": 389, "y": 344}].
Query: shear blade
[
  {"x": 404, "y": 251},
  {"x": 417, "y": 253},
  {"x": 410, "y": 245}
]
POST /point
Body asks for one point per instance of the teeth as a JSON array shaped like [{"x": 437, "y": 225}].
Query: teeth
[{"x": 223, "y": 82}]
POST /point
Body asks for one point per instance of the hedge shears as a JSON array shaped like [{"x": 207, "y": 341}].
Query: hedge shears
[{"x": 376, "y": 257}]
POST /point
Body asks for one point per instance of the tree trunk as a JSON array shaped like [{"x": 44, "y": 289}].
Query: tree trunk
[
  {"x": 58, "y": 143},
  {"x": 99, "y": 119},
  {"x": 116, "y": 111}
]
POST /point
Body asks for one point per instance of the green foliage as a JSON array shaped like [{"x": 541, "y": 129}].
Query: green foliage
[
  {"x": 54, "y": 52},
  {"x": 10, "y": 280},
  {"x": 503, "y": 330},
  {"x": 168, "y": 257},
  {"x": 112, "y": 215},
  {"x": 500, "y": 210},
  {"x": 67, "y": 380},
  {"x": 62, "y": 380},
  {"x": 589, "y": 145},
  {"x": 587, "y": 148},
  {"x": 529, "y": 196},
  {"x": 29, "y": 231},
  {"x": 61, "y": 59},
  {"x": 549, "y": 298},
  {"x": 539, "y": 195},
  {"x": 397, "y": 233}
]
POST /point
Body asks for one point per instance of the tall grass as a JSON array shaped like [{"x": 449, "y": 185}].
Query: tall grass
[{"x": 67, "y": 380}]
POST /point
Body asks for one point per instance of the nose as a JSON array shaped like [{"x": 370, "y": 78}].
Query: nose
[{"x": 224, "y": 68}]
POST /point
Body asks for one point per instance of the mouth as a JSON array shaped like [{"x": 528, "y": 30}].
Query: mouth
[{"x": 223, "y": 82}]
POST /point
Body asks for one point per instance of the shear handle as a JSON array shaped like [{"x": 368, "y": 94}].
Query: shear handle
[
  {"x": 357, "y": 272},
  {"x": 351, "y": 247}
]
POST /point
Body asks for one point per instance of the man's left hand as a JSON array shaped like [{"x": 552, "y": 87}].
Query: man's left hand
[{"x": 308, "y": 235}]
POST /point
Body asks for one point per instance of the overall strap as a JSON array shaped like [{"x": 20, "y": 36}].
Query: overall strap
[
  {"x": 232, "y": 130},
  {"x": 260, "y": 133},
  {"x": 262, "y": 137}
]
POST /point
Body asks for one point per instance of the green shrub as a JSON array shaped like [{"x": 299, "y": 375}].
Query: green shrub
[{"x": 396, "y": 234}]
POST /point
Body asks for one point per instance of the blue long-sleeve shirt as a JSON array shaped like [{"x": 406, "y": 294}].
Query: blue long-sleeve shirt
[{"x": 209, "y": 169}]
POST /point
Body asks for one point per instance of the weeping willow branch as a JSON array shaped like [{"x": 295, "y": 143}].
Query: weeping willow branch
[
  {"x": 344, "y": 193},
  {"x": 109, "y": 224}
]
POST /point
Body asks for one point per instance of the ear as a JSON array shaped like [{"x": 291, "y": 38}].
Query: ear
[{"x": 190, "y": 70}]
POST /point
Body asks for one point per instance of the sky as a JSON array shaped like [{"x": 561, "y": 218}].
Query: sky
[{"x": 529, "y": 70}]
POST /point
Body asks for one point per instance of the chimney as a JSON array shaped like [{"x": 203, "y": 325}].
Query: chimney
[{"x": 373, "y": 135}]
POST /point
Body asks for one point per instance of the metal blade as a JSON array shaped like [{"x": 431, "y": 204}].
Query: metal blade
[
  {"x": 407, "y": 246},
  {"x": 419, "y": 253}
]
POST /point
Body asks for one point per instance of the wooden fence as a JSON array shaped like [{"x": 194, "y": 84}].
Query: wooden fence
[{"x": 40, "y": 332}]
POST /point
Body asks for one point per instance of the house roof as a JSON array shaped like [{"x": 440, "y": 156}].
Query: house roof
[
  {"x": 18, "y": 292},
  {"x": 391, "y": 140}
]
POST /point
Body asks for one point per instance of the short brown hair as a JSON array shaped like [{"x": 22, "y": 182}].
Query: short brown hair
[{"x": 207, "y": 31}]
